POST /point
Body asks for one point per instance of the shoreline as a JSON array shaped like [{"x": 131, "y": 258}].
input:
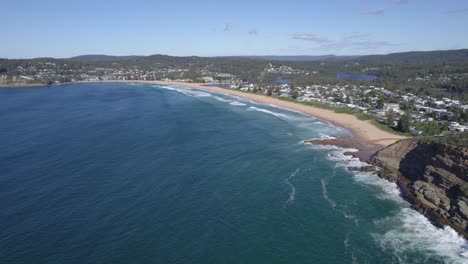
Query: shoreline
[
  {"x": 362, "y": 131},
  {"x": 365, "y": 137},
  {"x": 22, "y": 85}
]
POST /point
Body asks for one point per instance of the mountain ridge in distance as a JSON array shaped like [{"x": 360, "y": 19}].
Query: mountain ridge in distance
[{"x": 449, "y": 56}]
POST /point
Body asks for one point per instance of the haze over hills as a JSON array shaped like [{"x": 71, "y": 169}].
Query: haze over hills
[
  {"x": 449, "y": 56},
  {"x": 92, "y": 57},
  {"x": 330, "y": 57},
  {"x": 453, "y": 56}
]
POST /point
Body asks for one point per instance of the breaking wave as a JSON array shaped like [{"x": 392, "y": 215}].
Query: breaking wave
[
  {"x": 222, "y": 99},
  {"x": 282, "y": 116},
  {"x": 236, "y": 103},
  {"x": 408, "y": 230},
  {"x": 186, "y": 91},
  {"x": 414, "y": 232}
]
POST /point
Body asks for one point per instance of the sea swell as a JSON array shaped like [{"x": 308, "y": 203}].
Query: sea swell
[
  {"x": 404, "y": 232},
  {"x": 407, "y": 231}
]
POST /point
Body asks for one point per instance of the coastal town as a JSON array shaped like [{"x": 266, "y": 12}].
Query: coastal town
[
  {"x": 399, "y": 111},
  {"x": 233, "y": 132}
]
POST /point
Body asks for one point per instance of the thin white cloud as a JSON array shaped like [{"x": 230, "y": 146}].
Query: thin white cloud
[
  {"x": 227, "y": 26},
  {"x": 353, "y": 41},
  {"x": 310, "y": 37},
  {"x": 378, "y": 11},
  {"x": 253, "y": 31}
]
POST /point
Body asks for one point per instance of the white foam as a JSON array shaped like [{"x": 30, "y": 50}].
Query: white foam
[
  {"x": 321, "y": 136},
  {"x": 291, "y": 110},
  {"x": 324, "y": 136},
  {"x": 182, "y": 91},
  {"x": 413, "y": 232},
  {"x": 325, "y": 194},
  {"x": 222, "y": 99},
  {"x": 292, "y": 193},
  {"x": 268, "y": 112},
  {"x": 348, "y": 247},
  {"x": 338, "y": 155},
  {"x": 336, "y": 127},
  {"x": 390, "y": 190},
  {"x": 200, "y": 94},
  {"x": 236, "y": 103},
  {"x": 186, "y": 91},
  {"x": 242, "y": 99}
]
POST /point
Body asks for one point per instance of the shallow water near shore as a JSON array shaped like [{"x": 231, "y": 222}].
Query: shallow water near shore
[{"x": 144, "y": 173}]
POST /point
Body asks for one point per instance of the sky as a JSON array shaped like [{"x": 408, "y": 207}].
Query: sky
[{"x": 66, "y": 28}]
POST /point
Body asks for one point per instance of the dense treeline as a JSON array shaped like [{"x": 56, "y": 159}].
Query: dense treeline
[{"x": 421, "y": 73}]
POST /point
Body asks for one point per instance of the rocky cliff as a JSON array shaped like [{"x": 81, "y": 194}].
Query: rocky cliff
[{"x": 433, "y": 177}]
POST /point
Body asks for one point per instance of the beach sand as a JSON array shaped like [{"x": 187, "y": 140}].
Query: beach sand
[{"x": 362, "y": 130}]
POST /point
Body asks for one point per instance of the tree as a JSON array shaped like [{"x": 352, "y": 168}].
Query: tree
[
  {"x": 390, "y": 117},
  {"x": 293, "y": 92},
  {"x": 380, "y": 102},
  {"x": 404, "y": 122},
  {"x": 348, "y": 99},
  {"x": 406, "y": 105},
  {"x": 270, "y": 92},
  {"x": 277, "y": 91}
]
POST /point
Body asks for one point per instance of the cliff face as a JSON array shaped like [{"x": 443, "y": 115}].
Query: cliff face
[{"x": 433, "y": 177}]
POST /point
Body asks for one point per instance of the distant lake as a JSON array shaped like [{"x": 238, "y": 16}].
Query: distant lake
[
  {"x": 357, "y": 77},
  {"x": 283, "y": 81}
]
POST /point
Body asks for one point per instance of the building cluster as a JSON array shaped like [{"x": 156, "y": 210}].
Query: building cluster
[
  {"x": 375, "y": 101},
  {"x": 378, "y": 102},
  {"x": 284, "y": 69}
]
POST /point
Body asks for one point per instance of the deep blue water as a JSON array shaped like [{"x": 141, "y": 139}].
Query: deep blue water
[
  {"x": 139, "y": 173},
  {"x": 356, "y": 77}
]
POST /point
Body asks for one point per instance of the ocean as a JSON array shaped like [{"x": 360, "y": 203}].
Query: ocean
[{"x": 144, "y": 173}]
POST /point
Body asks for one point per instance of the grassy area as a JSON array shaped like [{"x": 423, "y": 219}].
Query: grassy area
[
  {"x": 385, "y": 127},
  {"x": 335, "y": 109},
  {"x": 360, "y": 115},
  {"x": 456, "y": 140}
]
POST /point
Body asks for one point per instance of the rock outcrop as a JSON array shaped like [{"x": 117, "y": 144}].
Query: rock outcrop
[{"x": 433, "y": 177}]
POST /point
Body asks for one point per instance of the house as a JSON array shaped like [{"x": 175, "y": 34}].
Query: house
[
  {"x": 454, "y": 126},
  {"x": 415, "y": 132},
  {"x": 394, "y": 107},
  {"x": 378, "y": 113}
]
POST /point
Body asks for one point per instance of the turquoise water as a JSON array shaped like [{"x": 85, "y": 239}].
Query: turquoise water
[{"x": 140, "y": 173}]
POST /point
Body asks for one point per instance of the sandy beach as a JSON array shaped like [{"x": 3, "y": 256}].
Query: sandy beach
[{"x": 363, "y": 130}]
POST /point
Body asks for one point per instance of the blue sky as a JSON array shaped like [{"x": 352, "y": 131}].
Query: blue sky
[{"x": 61, "y": 28}]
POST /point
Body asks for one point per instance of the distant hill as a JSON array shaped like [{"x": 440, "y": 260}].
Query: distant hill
[
  {"x": 413, "y": 57},
  {"x": 418, "y": 57},
  {"x": 299, "y": 58},
  {"x": 106, "y": 58},
  {"x": 96, "y": 58}
]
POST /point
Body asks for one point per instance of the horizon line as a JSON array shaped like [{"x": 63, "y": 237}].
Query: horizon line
[{"x": 223, "y": 56}]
